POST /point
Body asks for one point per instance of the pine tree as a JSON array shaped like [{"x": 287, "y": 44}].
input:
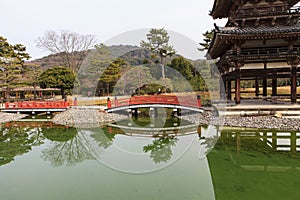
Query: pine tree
[
  {"x": 208, "y": 36},
  {"x": 57, "y": 77},
  {"x": 11, "y": 64},
  {"x": 111, "y": 74},
  {"x": 158, "y": 43}
]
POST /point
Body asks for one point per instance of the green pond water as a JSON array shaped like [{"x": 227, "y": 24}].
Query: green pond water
[{"x": 123, "y": 161}]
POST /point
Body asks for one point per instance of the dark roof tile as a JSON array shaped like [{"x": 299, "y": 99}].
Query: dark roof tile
[{"x": 259, "y": 30}]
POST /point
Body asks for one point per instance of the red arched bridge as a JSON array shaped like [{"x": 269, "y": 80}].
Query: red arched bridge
[{"x": 192, "y": 103}]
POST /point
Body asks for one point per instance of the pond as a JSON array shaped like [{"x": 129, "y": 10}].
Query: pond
[{"x": 124, "y": 161}]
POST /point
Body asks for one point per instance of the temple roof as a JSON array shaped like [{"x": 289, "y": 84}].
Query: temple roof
[
  {"x": 221, "y": 8},
  {"x": 259, "y": 30},
  {"x": 219, "y": 43}
]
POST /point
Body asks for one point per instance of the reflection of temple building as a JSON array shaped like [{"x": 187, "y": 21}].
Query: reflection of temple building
[
  {"x": 253, "y": 164},
  {"x": 277, "y": 141}
]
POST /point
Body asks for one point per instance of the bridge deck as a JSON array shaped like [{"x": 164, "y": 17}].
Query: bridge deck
[
  {"x": 162, "y": 101},
  {"x": 35, "y": 106}
]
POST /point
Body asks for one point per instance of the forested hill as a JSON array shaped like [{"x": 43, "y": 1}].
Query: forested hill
[
  {"x": 101, "y": 70},
  {"x": 127, "y": 52},
  {"x": 134, "y": 55}
]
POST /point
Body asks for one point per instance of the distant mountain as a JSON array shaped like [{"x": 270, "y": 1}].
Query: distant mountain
[{"x": 134, "y": 55}]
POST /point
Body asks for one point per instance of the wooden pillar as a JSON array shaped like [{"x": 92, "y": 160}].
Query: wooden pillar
[
  {"x": 222, "y": 87},
  {"x": 274, "y": 84},
  {"x": 238, "y": 85},
  {"x": 256, "y": 87},
  {"x": 265, "y": 91},
  {"x": 237, "y": 47},
  {"x": 293, "y": 84},
  {"x": 294, "y": 62},
  {"x": 229, "y": 90}
]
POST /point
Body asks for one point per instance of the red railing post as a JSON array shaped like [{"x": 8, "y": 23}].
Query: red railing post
[
  {"x": 108, "y": 103},
  {"x": 199, "y": 101},
  {"x": 75, "y": 103},
  {"x": 116, "y": 102}
]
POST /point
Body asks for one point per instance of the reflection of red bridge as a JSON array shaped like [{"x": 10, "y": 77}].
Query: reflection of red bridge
[
  {"x": 33, "y": 124},
  {"x": 36, "y": 106},
  {"x": 155, "y": 101}
]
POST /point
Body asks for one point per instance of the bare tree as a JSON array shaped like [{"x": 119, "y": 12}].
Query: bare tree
[{"x": 70, "y": 46}]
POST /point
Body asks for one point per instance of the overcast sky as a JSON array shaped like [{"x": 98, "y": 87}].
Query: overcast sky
[{"x": 24, "y": 21}]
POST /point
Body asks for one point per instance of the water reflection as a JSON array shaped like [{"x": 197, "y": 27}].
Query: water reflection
[
  {"x": 160, "y": 149},
  {"x": 243, "y": 164},
  {"x": 106, "y": 137},
  {"x": 67, "y": 147},
  {"x": 16, "y": 141},
  {"x": 70, "y": 146},
  {"x": 256, "y": 164}
]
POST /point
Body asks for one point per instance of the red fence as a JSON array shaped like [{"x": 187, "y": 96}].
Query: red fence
[
  {"x": 190, "y": 101},
  {"x": 37, "y": 104}
]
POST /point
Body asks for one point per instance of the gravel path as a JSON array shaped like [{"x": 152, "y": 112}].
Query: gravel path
[
  {"x": 7, "y": 117},
  {"x": 259, "y": 122},
  {"x": 85, "y": 118}
]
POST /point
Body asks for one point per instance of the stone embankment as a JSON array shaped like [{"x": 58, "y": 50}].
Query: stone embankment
[
  {"x": 85, "y": 118},
  {"x": 7, "y": 117},
  {"x": 257, "y": 122}
]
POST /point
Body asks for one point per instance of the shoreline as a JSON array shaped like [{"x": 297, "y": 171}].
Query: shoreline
[
  {"x": 95, "y": 118},
  {"x": 7, "y": 117},
  {"x": 254, "y": 122}
]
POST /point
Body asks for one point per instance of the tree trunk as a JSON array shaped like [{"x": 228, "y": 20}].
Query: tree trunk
[
  {"x": 7, "y": 93},
  {"x": 34, "y": 90},
  {"x": 162, "y": 67},
  {"x": 162, "y": 71},
  {"x": 63, "y": 94},
  {"x": 107, "y": 88}
]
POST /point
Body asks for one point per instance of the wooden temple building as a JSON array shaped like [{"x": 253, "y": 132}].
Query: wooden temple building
[{"x": 261, "y": 41}]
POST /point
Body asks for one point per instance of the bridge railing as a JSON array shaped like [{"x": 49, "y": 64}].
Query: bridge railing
[
  {"x": 191, "y": 101},
  {"x": 37, "y": 104}
]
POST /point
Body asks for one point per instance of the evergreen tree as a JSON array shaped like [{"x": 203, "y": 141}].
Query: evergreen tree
[
  {"x": 11, "y": 64},
  {"x": 208, "y": 36},
  {"x": 133, "y": 79},
  {"x": 158, "y": 43},
  {"x": 111, "y": 74},
  {"x": 31, "y": 75},
  {"x": 57, "y": 77},
  {"x": 183, "y": 66},
  {"x": 92, "y": 68},
  {"x": 189, "y": 72}
]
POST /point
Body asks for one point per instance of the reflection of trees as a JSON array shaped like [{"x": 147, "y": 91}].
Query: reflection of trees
[
  {"x": 105, "y": 137},
  {"x": 16, "y": 141},
  {"x": 160, "y": 149},
  {"x": 69, "y": 147},
  {"x": 207, "y": 144}
]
